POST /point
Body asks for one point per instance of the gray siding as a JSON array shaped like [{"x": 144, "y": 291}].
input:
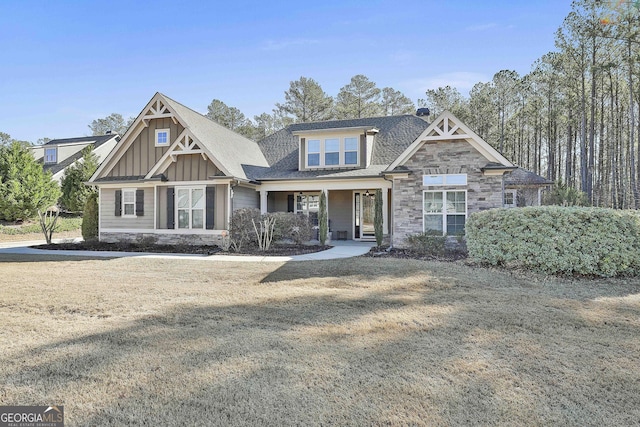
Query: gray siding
[
  {"x": 108, "y": 219},
  {"x": 278, "y": 201},
  {"x": 142, "y": 154},
  {"x": 244, "y": 197},
  {"x": 191, "y": 167},
  {"x": 220, "y": 219},
  {"x": 341, "y": 212},
  {"x": 453, "y": 157}
]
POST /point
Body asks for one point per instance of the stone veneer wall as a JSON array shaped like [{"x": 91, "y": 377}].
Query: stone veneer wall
[
  {"x": 433, "y": 158},
  {"x": 163, "y": 239}
]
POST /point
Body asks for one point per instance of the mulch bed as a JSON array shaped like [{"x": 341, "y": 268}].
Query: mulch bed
[
  {"x": 385, "y": 252},
  {"x": 285, "y": 250}
]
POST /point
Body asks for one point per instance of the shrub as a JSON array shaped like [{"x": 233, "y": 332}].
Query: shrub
[
  {"x": 428, "y": 243},
  {"x": 563, "y": 195},
  {"x": 292, "y": 226},
  {"x": 377, "y": 217},
  {"x": 557, "y": 240},
  {"x": 323, "y": 223},
  {"x": 241, "y": 228},
  {"x": 90, "y": 218}
]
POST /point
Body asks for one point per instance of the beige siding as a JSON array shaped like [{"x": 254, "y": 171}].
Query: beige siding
[
  {"x": 142, "y": 154},
  {"x": 191, "y": 167},
  {"x": 341, "y": 212},
  {"x": 108, "y": 218},
  {"x": 244, "y": 197},
  {"x": 278, "y": 202}
]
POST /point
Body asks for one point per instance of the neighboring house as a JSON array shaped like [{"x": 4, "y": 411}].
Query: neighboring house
[
  {"x": 524, "y": 188},
  {"x": 58, "y": 154},
  {"x": 177, "y": 176}
]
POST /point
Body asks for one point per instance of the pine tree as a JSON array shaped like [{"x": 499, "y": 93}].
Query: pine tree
[
  {"x": 24, "y": 186},
  {"x": 74, "y": 191}
]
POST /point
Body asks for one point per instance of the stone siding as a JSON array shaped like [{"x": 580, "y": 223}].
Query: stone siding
[
  {"x": 451, "y": 157},
  {"x": 163, "y": 238}
]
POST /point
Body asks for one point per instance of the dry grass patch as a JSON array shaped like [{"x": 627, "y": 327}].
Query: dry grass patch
[{"x": 384, "y": 342}]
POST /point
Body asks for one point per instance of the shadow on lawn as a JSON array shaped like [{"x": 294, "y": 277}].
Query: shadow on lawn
[
  {"x": 28, "y": 258},
  {"x": 427, "y": 355}
]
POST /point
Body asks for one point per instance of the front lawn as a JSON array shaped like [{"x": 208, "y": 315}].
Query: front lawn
[
  {"x": 66, "y": 227},
  {"x": 359, "y": 341}
]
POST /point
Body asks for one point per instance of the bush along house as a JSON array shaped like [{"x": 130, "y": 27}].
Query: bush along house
[{"x": 177, "y": 176}]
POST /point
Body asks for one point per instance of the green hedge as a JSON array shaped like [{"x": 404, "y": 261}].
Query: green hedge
[{"x": 557, "y": 240}]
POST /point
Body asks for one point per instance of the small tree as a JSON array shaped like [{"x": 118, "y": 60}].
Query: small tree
[
  {"x": 264, "y": 231},
  {"x": 48, "y": 220},
  {"x": 74, "y": 191},
  {"x": 377, "y": 217},
  {"x": 90, "y": 218},
  {"x": 24, "y": 187},
  {"x": 322, "y": 219}
]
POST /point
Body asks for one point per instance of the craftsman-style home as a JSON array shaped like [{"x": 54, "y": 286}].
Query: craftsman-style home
[{"x": 178, "y": 176}]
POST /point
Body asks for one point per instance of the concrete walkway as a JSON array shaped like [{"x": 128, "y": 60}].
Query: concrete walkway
[{"x": 340, "y": 249}]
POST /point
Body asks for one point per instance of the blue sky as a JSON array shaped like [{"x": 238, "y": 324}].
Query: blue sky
[{"x": 65, "y": 63}]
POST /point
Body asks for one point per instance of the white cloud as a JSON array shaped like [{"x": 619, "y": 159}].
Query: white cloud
[
  {"x": 481, "y": 27},
  {"x": 284, "y": 44}
]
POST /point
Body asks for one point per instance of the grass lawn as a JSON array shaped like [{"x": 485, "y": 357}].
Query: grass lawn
[
  {"x": 67, "y": 228},
  {"x": 344, "y": 342}
]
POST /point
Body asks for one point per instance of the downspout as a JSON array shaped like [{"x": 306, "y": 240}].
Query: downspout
[{"x": 391, "y": 219}]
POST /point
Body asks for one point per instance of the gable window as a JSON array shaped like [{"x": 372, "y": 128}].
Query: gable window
[
  {"x": 313, "y": 152},
  {"x": 163, "y": 136},
  {"x": 129, "y": 202},
  {"x": 445, "y": 211},
  {"x": 50, "y": 155},
  {"x": 351, "y": 151},
  {"x": 190, "y": 207},
  {"x": 332, "y": 152}
]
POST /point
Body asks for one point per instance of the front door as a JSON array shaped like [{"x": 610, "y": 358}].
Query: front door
[{"x": 363, "y": 215}]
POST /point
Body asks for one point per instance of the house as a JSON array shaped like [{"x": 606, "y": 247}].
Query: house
[
  {"x": 58, "y": 154},
  {"x": 177, "y": 176},
  {"x": 524, "y": 188}
]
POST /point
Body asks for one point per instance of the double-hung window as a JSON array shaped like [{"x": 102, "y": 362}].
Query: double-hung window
[
  {"x": 332, "y": 152},
  {"x": 190, "y": 207},
  {"x": 351, "y": 151},
  {"x": 50, "y": 155},
  {"x": 313, "y": 152},
  {"x": 445, "y": 211},
  {"x": 129, "y": 202}
]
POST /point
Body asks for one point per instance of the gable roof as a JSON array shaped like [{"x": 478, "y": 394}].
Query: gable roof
[
  {"x": 520, "y": 176},
  {"x": 395, "y": 134},
  {"x": 97, "y": 140},
  {"x": 228, "y": 150},
  {"x": 448, "y": 127}
]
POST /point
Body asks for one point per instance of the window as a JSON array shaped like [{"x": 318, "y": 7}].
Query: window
[
  {"x": 332, "y": 152},
  {"x": 50, "y": 155},
  {"x": 129, "y": 202},
  {"x": 509, "y": 199},
  {"x": 190, "y": 207},
  {"x": 456, "y": 179},
  {"x": 351, "y": 151},
  {"x": 313, "y": 152},
  {"x": 445, "y": 211},
  {"x": 162, "y": 137},
  {"x": 308, "y": 204}
]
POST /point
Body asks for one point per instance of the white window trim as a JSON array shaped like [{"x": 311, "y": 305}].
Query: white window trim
[
  {"x": 444, "y": 179},
  {"x": 204, "y": 209},
  {"x": 55, "y": 155},
  {"x": 444, "y": 210},
  {"x": 341, "y": 153},
  {"x": 515, "y": 202},
  {"x": 166, "y": 144},
  {"x": 129, "y": 190}
]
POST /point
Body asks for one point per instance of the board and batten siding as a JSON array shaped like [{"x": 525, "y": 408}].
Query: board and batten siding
[
  {"x": 244, "y": 197},
  {"x": 142, "y": 154},
  {"x": 191, "y": 167},
  {"x": 108, "y": 218}
]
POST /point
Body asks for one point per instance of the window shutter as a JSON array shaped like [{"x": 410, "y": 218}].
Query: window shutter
[
  {"x": 140, "y": 202},
  {"x": 170, "y": 208},
  {"x": 118, "y": 202},
  {"x": 210, "y": 204},
  {"x": 291, "y": 203}
]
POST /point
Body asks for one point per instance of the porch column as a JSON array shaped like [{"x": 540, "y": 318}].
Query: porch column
[
  {"x": 385, "y": 210},
  {"x": 263, "y": 201}
]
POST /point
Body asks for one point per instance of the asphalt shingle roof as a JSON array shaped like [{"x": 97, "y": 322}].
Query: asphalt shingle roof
[
  {"x": 522, "y": 176},
  {"x": 395, "y": 134},
  {"x": 54, "y": 168},
  {"x": 232, "y": 150}
]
